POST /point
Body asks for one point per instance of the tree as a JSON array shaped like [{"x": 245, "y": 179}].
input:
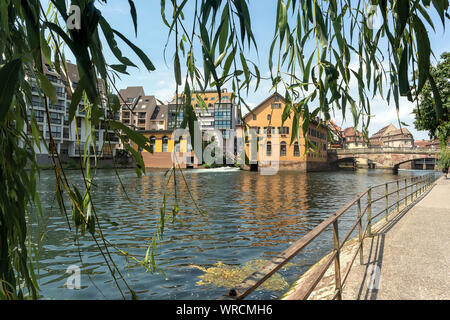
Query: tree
[
  {"x": 430, "y": 116},
  {"x": 444, "y": 159},
  {"x": 310, "y": 58}
]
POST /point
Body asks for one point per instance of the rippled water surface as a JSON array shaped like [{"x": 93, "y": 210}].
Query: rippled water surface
[{"x": 249, "y": 217}]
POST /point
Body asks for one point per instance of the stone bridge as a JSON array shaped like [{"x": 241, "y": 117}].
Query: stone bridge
[{"x": 384, "y": 158}]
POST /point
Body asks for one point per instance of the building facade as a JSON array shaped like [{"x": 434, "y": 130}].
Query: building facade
[
  {"x": 142, "y": 112},
  {"x": 274, "y": 139},
  {"x": 218, "y": 115},
  {"x": 353, "y": 138},
  {"x": 166, "y": 152},
  {"x": 391, "y": 137},
  {"x": 66, "y": 134}
]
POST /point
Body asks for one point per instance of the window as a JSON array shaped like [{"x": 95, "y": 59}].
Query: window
[
  {"x": 283, "y": 130},
  {"x": 276, "y": 105},
  {"x": 152, "y": 143},
  {"x": 269, "y": 130},
  {"x": 269, "y": 149},
  {"x": 268, "y": 117},
  {"x": 254, "y": 117},
  {"x": 296, "y": 150},
  {"x": 283, "y": 149},
  {"x": 165, "y": 144},
  {"x": 55, "y": 118}
]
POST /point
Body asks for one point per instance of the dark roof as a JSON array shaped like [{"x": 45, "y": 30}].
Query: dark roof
[
  {"x": 399, "y": 131},
  {"x": 72, "y": 72},
  {"x": 145, "y": 104},
  {"x": 350, "y": 132},
  {"x": 131, "y": 93},
  {"x": 262, "y": 103},
  {"x": 160, "y": 112},
  {"x": 381, "y": 132},
  {"x": 153, "y": 106}
]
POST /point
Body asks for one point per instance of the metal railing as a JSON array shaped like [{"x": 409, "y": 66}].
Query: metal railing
[{"x": 400, "y": 193}]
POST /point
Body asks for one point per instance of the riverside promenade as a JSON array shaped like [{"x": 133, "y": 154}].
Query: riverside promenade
[{"x": 409, "y": 256}]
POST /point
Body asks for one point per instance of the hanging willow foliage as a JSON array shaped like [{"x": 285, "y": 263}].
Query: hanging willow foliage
[{"x": 314, "y": 47}]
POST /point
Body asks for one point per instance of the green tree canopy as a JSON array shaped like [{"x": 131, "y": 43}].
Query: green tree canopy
[{"x": 428, "y": 116}]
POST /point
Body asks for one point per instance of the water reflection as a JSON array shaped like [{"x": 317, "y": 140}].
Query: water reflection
[{"x": 249, "y": 217}]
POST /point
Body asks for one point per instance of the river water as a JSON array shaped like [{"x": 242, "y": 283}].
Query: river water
[{"x": 249, "y": 218}]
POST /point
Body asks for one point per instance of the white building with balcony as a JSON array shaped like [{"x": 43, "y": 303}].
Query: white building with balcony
[{"x": 63, "y": 131}]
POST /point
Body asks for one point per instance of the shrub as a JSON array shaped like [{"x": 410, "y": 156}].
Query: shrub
[{"x": 444, "y": 159}]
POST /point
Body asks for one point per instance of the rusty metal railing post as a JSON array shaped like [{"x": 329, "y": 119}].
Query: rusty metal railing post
[
  {"x": 360, "y": 235},
  {"x": 337, "y": 263},
  {"x": 386, "y": 192},
  {"x": 421, "y": 186},
  {"x": 398, "y": 196},
  {"x": 417, "y": 187},
  {"x": 369, "y": 212},
  {"x": 406, "y": 192}
]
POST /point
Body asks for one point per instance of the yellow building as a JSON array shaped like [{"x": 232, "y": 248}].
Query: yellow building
[
  {"x": 274, "y": 139},
  {"x": 219, "y": 114},
  {"x": 165, "y": 151}
]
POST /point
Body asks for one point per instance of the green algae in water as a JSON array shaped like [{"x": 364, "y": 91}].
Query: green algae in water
[{"x": 226, "y": 276}]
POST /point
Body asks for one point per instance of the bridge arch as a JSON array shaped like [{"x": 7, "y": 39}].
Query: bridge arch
[
  {"x": 345, "y": 162},
  {"x": 428, "y": 163},
  {"x": 387, "y": 158}
]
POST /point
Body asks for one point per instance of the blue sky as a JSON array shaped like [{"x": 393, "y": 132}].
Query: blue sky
[{"x": 152, "y": 36}]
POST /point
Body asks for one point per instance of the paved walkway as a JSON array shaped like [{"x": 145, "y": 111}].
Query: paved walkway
[{"x": 411, "y": 254}]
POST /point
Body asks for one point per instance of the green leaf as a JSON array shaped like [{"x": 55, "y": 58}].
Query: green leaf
[
  {"x": 282, "y": 20},
  {"x": 135, "y": 136},
  {"x": 76, "y": 99},
  {"x": 220, "y": 58},
  {"x": 119, "y": 68},
  {"x": 322, "y": 32},
  {"x": 9, "y": 76},
  {"x": 403, "y": 73},
  {"x": 45, "y": 48},
  {"x": 228, "y": 63},
  {"x": 133, "y": 15},
  {"x": 224, "y": 29},
  {"x": 402, "y": 11},
  {"x": 148, "y": 64},
  {"x": 109, "y": 36},
  {"x": 423, "y": 51},
  {"x": 139, "y": 161},
  {"x": 177, "y": 69},
  {"x": 437, "y": 98},
  {"x": 35, "y": 131}
]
